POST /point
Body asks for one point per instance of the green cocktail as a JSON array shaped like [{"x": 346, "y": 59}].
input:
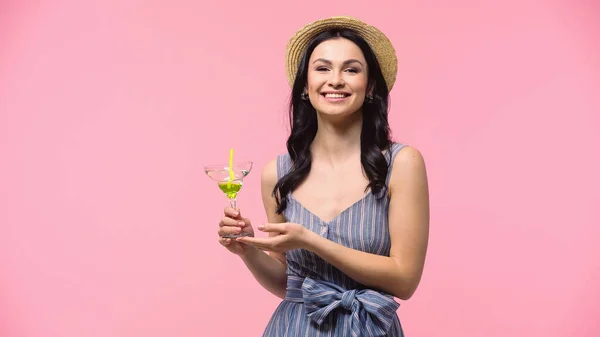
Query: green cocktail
[{"x": 230, "y": 181}]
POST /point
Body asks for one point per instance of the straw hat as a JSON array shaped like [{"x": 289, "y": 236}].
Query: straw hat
[{"x": 381, "y": 45}]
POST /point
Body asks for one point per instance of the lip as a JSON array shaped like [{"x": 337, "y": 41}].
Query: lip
[{"x": 335, "y": 99}]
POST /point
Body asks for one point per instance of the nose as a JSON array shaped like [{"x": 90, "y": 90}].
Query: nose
[{"x": 336, "y": 80}]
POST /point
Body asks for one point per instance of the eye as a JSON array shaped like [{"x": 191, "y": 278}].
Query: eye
[
  {"x": 352, "y": 70},
  {"x": 322, "y": 68}
]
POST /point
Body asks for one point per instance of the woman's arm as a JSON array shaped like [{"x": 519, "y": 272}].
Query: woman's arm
[
  {"x": 268, "y": 269},
  {"x": 400, "y": 273}
]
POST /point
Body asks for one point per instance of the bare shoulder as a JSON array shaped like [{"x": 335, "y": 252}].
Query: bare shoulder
[
  {"x": 408, "y": 167},
  {"x": 268, "y": 182},
  {"x": 410, "y": 156},
  {"x": 269, "y": 174}
]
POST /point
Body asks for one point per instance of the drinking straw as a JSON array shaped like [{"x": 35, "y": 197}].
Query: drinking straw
[{"x": 231, "y": 176}]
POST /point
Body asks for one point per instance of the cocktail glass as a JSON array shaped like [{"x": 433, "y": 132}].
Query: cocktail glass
[{"x": 231, "y": 187}]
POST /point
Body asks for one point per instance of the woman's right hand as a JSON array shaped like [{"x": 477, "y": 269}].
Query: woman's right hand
[{"x": 233, "y": 223}]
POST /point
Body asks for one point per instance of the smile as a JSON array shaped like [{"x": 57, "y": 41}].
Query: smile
[{"x": 335, "y": 97}]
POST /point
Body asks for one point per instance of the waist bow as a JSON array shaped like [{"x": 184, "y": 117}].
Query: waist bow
[{"x": 372, "y": 312}]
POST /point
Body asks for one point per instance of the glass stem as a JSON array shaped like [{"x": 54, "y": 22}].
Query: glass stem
[{"x": 233, "y": 203}]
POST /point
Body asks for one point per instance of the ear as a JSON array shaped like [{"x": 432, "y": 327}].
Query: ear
[
  {"x": 304, "y": 94},
  {"x": 370, "y": 89}
]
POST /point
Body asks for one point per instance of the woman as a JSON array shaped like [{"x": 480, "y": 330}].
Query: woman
[{"x": 347, "y": 208}]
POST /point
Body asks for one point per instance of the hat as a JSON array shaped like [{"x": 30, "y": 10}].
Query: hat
[{"x": 381, "y": 45}]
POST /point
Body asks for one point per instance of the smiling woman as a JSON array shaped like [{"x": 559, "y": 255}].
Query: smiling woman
[
  {"x": 348, "y": 208},
  {"x": 337, "y": 74}
]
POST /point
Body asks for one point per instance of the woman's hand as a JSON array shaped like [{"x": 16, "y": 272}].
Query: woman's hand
[
  {"x": 233, "y": 223},
  {"x": 287, "y": 236}
]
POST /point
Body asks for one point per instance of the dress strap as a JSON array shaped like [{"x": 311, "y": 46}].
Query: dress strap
[
  {"x": 284, "y": 164},
  {"x": 391, "y": 156}
]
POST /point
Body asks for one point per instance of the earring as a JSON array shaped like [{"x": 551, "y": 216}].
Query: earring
[
  {"x": 304, "y": 96},
  {"x": 369, "y": 99}
]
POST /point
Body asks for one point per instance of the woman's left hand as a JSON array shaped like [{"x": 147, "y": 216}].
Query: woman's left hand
[{"x": 287, "y": 236}]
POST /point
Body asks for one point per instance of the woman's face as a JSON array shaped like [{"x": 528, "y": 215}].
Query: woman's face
[{"x": 337, "y": 77}]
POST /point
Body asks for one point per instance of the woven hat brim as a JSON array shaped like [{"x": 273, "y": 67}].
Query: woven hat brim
[{"x": 381, "y": 45}]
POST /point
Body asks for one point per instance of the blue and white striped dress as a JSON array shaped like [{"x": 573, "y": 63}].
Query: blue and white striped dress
[{"x": 320, "y": 299}]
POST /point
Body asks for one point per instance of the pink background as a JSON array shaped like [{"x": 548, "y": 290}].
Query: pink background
[{"x": 109, "y": 110}]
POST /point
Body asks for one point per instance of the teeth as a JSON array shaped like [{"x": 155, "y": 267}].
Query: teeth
[{"x": 335, "y": 95}]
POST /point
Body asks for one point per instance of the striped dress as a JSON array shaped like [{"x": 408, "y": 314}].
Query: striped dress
[{"x": 320, "y": 299}]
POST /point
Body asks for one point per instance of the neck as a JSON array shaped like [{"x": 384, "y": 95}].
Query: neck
[{"x": 337, "y": 141}]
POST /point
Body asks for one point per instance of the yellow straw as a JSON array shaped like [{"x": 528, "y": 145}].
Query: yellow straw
[{"x": 231, "y": 176}]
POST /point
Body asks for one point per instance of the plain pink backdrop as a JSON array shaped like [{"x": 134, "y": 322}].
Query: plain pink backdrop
[{"x": 109, "y": 110}]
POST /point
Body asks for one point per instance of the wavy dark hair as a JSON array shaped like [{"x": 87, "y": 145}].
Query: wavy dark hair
[{"x": 375, "y": 135}]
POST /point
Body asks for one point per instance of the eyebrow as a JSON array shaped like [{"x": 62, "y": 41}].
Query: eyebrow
[{"x": 345, "y": 62}]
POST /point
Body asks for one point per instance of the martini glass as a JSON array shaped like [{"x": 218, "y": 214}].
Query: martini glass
[{"x": 230, "y": 187}]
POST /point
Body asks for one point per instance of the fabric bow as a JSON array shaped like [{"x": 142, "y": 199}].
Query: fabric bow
[{"x": 372, "y": 312}]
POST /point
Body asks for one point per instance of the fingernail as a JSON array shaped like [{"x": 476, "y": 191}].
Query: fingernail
[
  {"x": 261, "y": 227},
  {"x": 241, "y": 223}
]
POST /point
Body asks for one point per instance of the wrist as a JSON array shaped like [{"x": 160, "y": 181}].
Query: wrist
[
  {"x": 249, "y": 253},
  {"x": 310, "y": 240}
]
